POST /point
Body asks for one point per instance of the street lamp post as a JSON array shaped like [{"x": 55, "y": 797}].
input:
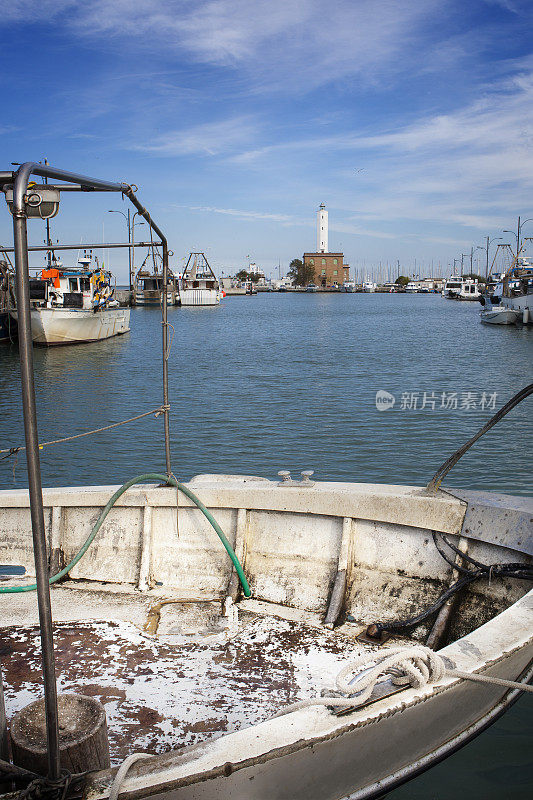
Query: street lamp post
[
  {"x": 127, "y": 218},
  {"x": 517, "y": 235}
]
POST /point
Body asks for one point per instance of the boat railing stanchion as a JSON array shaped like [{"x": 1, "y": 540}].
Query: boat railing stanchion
[{"x": 20, "y": 235}]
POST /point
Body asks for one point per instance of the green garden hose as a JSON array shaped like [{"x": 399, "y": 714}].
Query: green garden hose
[{"x": 149, "y": 476}]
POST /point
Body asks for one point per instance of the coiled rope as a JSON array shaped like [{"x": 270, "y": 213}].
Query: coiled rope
[{"x": 415, "y": 666}]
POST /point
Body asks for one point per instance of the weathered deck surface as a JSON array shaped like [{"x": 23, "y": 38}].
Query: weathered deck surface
[{"x": 165, "y": 693}]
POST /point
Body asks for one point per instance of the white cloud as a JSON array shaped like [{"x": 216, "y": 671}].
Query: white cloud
[{"x": 210, "y": 139}]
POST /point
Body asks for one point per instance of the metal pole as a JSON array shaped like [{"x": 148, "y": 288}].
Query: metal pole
[
  {"x": 34, "y": 468},
  {"x": 487, "y": 264},
  {"x": 165, "y": 358},
  {"x": 129, "y": 248}
]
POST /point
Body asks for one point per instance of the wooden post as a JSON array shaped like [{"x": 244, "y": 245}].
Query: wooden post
[{"x": 83, "y": 743}]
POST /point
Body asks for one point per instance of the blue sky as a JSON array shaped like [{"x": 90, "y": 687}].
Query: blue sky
[{"x": 410, "y": 119}]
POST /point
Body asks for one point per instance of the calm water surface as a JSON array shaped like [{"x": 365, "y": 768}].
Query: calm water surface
[{"x": 284, "y": 381}]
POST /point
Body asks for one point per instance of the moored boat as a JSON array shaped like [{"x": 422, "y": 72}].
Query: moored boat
[
  {"x": 74, "y": 305},
  {"x": 459, "y": 287},
  {"x": 148, "y": 288},
  {"x": 8, "y": 328},
  {"x": 198, "y": 285},
  {"x": 499, "y": 315},
  {"x": 193, "y": 673}
]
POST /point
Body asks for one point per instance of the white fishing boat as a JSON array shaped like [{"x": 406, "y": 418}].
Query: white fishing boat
[
  {"x": 198, "y": 285},
  {"x": 75, "y": 305},
  {"x": 369, "y": 287},
  {"x": 517, "y": 289},
  {"x": 152, "y": 623},
  {"x": 228, "y": 637}
]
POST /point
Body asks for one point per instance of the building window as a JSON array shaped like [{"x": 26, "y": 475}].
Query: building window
[
  {"x": 323, "y": 272},
  {"x": 335, "y": 261},
  {"x": 311, "y": 260},
  {"x": 335, "y": 271},
  {"x": 323, "y": 260}
]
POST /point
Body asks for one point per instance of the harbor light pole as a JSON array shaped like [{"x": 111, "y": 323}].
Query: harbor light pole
[{"x": 128, "y": 223}]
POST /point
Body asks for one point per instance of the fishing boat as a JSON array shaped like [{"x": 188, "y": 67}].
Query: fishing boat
[
  {"x": 75, "y": 305},
  {"x": 198, "y": 285},
  {"x": 369, "y": 287},
  {"x": 262, "y": 637},
  {"x": 149, "y": 288},
  {"x": 8, "y": 328},
  {"x": 517, "y": 289}
]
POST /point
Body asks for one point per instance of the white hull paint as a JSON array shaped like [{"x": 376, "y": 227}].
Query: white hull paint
[
  {"x": 55, "y": 326},
  {"x": 520, "y": 304},
  {"x": 199, "y": 297}
]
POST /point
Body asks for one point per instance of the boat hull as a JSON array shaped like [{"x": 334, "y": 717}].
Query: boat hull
[
  {"x": 199, "y": 297},
  {"x": 8, "y": 327},
  {"x": 293, "y": 541},
  {"x": 499, "y": 316},
  {"x": 57, "y": 326},
  {"x": 153, "y": 299}
]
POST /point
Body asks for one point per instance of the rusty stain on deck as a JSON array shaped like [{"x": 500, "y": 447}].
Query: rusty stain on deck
[{"x": 160, "y": 695}]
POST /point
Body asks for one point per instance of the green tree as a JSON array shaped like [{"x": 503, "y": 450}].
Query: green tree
[
  {"x": 473, "y": 275},
  {"x": 301, "y": 273},
  {"x": 242, "y": 275},
  {"x": 402, "y": 280}
]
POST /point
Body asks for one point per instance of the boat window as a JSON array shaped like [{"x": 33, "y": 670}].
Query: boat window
[
  {"x": 195, "y": 284},
  {"x": 85, "y": 284},
  {"x": 73, "y": 284}
]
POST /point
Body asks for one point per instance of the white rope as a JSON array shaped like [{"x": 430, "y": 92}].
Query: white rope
[
  {"x": 416, "y": 666},
  {"x": 120, "y": 777}
]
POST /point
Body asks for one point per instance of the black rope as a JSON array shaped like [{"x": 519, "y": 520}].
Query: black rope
[
  {"x": 40, "y": 787},
  {"x": 488, "y": 571}
]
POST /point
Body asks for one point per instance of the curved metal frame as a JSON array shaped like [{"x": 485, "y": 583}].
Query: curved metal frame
[{"x": 20, "y": 180}]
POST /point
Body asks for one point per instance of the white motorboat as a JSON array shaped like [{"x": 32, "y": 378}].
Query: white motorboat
[
  {"x": 499, "y": 315},
  {"x": 461, "y": 288},
  {"x": 75, "y": 305},
  {"x": 412, "y": 288},
  {"x": 369, "y": 287},
  {"x": 198, "y": 285}
]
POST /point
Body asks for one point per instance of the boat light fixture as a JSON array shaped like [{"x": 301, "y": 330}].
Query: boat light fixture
[{"x": 41, "y": 201}]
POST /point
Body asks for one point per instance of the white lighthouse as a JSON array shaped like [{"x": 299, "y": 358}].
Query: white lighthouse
[{"x": 322, "y": 229}]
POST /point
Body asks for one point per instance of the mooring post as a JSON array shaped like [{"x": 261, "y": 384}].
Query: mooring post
[{"x": 34, "y": 468}]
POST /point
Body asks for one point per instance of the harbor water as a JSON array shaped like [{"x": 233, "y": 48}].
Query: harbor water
[{"x": 289, "y": 381}]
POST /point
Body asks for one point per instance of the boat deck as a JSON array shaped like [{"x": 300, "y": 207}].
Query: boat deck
[{"x": 190, "y": 682}]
